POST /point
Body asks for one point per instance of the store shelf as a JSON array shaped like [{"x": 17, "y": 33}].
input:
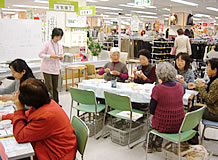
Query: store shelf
[{"x": 162, "y": 47}]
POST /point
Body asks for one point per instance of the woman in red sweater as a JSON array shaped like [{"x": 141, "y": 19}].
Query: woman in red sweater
[
  {"x": 45, "y": 124},
  {"x": 166, "y": 104}
]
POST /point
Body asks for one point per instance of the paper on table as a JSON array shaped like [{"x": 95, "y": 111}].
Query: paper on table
[
  {"x": 135, "y": 116},
  {"x": 6, "y": 132}
]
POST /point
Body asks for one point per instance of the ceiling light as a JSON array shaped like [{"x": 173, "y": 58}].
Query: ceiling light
[
  {"x": 113, "y": 13},
  {"x": 166, "y": 9},
  {"x": 28, "y": 6},
  {"x": 109, "y": 8},
  {"x": 166, "y": 15},
  {"x": 165, "y": 18},
  {"x": 185, "y": 2},
  {"x": 8, "y": 12},
  {"x": 152, "y": 13},
  {"x": 104, "y": 0},
  {"x": 212, "y": 9},
  {"x": 91, "y": 1},
  {"x": 196, "y": 19},
  {"x": 201, "y": 15},
  {"x": 128, "y": 14},
  {"x": 40, "y": 1},
  {"x": 216, "y": 17},
  {"x": 14, "y": 9},
  {"x": 148, "y": 16},
  {"x": 133, "y": 6}
]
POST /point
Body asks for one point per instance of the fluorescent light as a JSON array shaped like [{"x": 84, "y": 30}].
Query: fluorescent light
[
  {"x": 165, "y": 18},
  {"x": 166, "y": 9},
  {"x": 166, "y": 15},
  {"x": 110, "y": 18},
  {"x": 128, "y": 14},
  {"x": 212, "y": 9},
  {"x": 196, "y": 19},
  {"x": 40, "y": 1},
  {"x": 201, "y": 15},
  {"x": 109, "y": 8},
  {"x": 216, "y": 17},
  {"x": 185, "y": 2},
  {"x": 8, "y": 12},
  {"x": 113, "y": 13},
  {"x": 104, "y": 0},
  {"x": 91, "y": 1},
  {"x": 28, "y": 6},
  {"x": 133, "y": 6},
  {"x": 14, "y": 9},
  {"x": 124, "y": 17},
  {"x": 152, "y": 13},
  {"x": 149, "y": 17}
]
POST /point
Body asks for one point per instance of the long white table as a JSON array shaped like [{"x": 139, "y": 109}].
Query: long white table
[
  {"x": 137, "y": 92},
  {"x": 12, "y": 148}
]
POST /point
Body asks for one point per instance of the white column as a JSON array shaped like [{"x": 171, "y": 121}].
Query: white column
[{"x": 119, "y": 31}]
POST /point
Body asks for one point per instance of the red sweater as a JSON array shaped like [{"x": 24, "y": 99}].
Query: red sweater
[
  {"x": 169, "y": 112},
  {"x": 48, "y": 129}
]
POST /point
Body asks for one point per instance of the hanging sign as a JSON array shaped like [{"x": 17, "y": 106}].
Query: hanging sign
[
  {"x": 2, "y": 3},
  {"x": 63, "y": 5},
  {"x": 135, "y": 22},
  {"x": 87, "y": 11},
  {"x": 142, "y": 2},
  {"x": 73, "y": 20}
]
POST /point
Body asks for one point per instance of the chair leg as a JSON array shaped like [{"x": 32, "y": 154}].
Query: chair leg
[
  {"x": 146, "y": 154},
  {"x": 202, "y": 135},
  {"x": 179, "y": 151},
  {"x": 94, "y": 121},
  {"x": 130, "y": 129},
  {"x": 104, "y": 122}
]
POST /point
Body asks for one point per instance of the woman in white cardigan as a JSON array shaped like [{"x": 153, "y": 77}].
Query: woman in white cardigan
[{"x": 182, "y": 43}]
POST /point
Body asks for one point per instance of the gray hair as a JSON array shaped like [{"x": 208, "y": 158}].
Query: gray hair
[{"x": 166, "y": 72}]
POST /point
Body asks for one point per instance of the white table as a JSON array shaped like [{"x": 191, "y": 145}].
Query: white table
[
  {"x": 12, "y": 148},
  {"x": 137, "y": 92}
]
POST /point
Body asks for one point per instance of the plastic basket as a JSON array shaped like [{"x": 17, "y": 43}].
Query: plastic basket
[{"x": 119, "y": 132}]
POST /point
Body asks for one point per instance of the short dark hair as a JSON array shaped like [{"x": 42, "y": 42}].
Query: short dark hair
[
  {"x": 145, "y": 52},
  {"x": 186, "y": 58},
  {"x": 57, "y": 32},
  {"x": 180, "y": 31},
  {"x": 33, "y": 93},
  {"x": 214, "y": 64},
  {"x": 19, "y": 65}
]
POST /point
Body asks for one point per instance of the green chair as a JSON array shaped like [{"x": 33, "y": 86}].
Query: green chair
[
  {"x": 186, "y": 132},
  {"x": 119, "y": 103},
  {"x": 87, "y": 103},
  {"x": 82, "y": 133}
]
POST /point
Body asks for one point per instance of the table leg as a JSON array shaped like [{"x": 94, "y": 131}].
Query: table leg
[
  {"x": 72, "y": 79},
  {"x": 131, "y": 67},
  {"x": 66, "y": 78},
  {"x": 86, "y": 73},
  {"x": 79, "y": 75}
]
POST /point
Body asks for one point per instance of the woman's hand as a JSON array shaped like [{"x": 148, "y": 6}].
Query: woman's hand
[
  {"x": 116, "y": 73},
  {"x": 107, "y": 70},
  {"x": 191, "y": 85},
  {"x": 17, "y": 102},
  {"x": 200, "y": 83},
  {"x": 142, "y": 76},
  {"x": 180, "y": 79},
  {"x": 7, "y": 97}
]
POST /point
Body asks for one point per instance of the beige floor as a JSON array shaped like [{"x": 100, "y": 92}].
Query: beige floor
[{"x": 104, "y": 149}]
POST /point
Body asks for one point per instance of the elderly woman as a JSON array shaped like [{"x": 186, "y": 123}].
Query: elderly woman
[
  {"x": 209, "y": 93},
  {"x": 185, "y": 74},
  {"x": 145, "y": 73},
  {"x": 45, "y": 125},
  {"x": 115, "y": 69},
  {"x": 166, "y": 104}
]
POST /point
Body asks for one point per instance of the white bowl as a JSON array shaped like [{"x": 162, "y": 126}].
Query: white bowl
[{"x": 5, "y": 123}]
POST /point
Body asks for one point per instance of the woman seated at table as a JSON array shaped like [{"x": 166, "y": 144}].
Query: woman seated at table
[
  {"x": 184, "y": 73},
  {"x": 166, "y": 104},
  {"x": 209, "y": 93},
  {"x": 45, "y": 125},
  {"x": 145, "y": 73},
  {"x": 20, "y": 71},
  {"x": 115, "y": 69}
]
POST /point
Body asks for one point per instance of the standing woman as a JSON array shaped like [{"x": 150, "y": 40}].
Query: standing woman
[{"x": 51, "y": 54}]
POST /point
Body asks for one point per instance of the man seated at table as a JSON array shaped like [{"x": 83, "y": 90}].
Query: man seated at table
[
  {"x": 115, "y": 69},
  {"x": 144, "y": 73},
  {"x": 45, "y": 125}
]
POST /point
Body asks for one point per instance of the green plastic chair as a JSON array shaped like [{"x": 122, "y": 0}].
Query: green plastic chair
[
  {"x": 87, "y": 103},
  {"x": 82, "y": 133},
  {"x": 119, "y": 103},
  {"x": 186, "y": 132}
]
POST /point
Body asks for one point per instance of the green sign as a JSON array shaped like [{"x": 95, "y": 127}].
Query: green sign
[
  {"x": 63, "y": 5},
  {"x": 142, "y": 2},
  {"x": 87, "y": 11},
  {"x": 2, "y": 3}
]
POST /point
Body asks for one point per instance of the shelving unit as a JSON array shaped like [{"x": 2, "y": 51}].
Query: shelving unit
[{"x": 161, "y": 51}]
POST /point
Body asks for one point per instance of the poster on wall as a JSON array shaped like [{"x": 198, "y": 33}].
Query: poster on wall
[
  {"x": 51, "y": 23},
  {"x": 135, "y": 22},
  {"x": 72, "y": 20},
  {"x": 63, "y": 5}
]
